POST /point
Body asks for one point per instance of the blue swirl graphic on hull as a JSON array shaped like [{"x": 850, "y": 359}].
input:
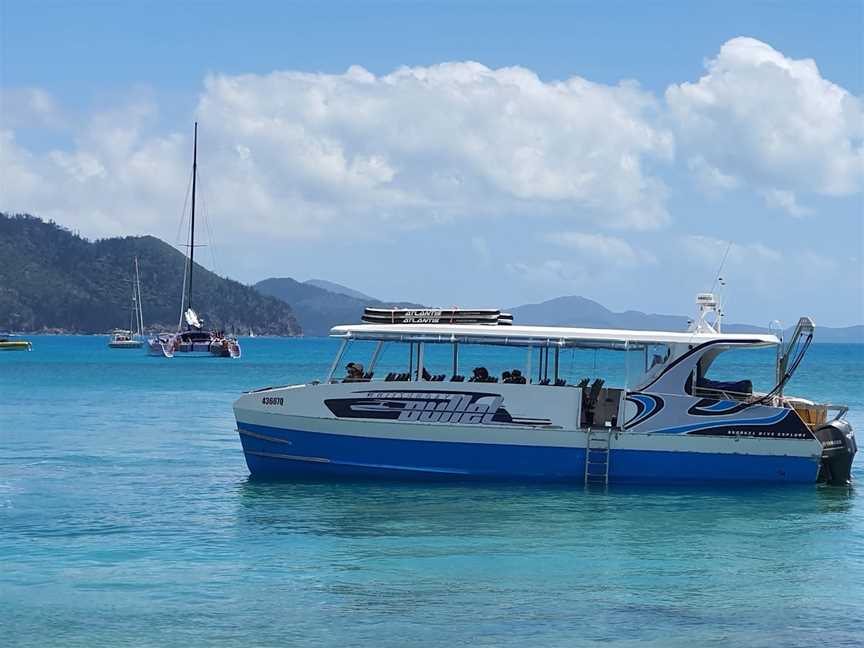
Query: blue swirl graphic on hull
[{"x": 684, "y": 429}]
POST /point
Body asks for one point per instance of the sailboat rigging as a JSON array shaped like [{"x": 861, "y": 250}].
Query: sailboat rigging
[
  {"x": 131, "y": 338},
  {"x": 191, "y": 338}
]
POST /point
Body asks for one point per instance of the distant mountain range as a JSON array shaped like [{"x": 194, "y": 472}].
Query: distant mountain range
[
  {"x": 319, "y": 308},
  {"x": 54, "y": 280},
  {"x": 339, "y": 289},
  {"x": 583, "y": 312},
  {"x": 319, "y": 305}
]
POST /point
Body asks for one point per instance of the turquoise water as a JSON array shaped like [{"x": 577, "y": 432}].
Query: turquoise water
[{"x": 127, "y": 518}]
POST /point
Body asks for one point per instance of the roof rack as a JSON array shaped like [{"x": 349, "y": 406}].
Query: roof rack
[{"x": 489, "y": 316}]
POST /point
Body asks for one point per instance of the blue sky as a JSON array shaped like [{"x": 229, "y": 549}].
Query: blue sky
[{"x": 534, "y": 174}]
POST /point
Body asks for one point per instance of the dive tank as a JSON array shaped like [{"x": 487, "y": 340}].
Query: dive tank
[{"x": 838, "y": 451}]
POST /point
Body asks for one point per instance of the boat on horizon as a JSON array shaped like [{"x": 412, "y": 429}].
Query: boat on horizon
[
  {"x": 669, "y": 421},
  {"x": 191, "y": 337},
  {"x": 131, "y": 338},
  {"x": 10, "y": 342}
]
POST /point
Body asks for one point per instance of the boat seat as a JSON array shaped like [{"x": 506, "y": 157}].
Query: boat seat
[
  {"x": 545, "y": 381},
  {"x": 368, "y": 375},
  {"x": 583, "y": 383},
  {"x": 457, "y": 378},
  {"x": 737, "y": 386},
  {"x": 390, "y": 377},
  {"x": 560, "y": 382}
]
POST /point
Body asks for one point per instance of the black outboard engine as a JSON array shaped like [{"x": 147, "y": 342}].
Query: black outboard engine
[{"x": 838, "y": 451}]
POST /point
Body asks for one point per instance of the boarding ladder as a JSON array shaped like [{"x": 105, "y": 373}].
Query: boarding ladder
[{"x": 597, "y": 444}]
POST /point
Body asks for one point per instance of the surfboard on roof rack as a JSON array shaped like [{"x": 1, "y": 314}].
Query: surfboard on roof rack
[{"x": 491, "y": 316}]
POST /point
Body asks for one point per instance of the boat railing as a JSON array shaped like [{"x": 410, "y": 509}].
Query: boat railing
[{"x": 815, "y": 415}]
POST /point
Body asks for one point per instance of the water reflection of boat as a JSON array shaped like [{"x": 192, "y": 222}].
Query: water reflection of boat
[
  {"x": 9, "y": 342},
  {"x": 191, "y": 338},
  {"x": 671, "y": 420}
]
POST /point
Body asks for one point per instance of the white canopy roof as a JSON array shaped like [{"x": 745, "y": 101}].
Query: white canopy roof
[{"x": 538, "y": 335}]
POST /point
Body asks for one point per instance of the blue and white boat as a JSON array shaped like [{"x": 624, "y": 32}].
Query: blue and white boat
[{"x": 667, "y": 422}]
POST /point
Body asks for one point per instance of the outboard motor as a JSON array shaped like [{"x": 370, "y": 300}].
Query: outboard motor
[{"x": 838, "y": 451}]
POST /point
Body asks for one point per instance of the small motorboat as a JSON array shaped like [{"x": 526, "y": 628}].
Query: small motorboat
[{"x": 11, "y": 343}]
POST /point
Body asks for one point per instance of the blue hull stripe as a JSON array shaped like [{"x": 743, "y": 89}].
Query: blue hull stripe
[
  {"x": 770, "y": 420},
  {"x": 286, "y": 454},
  {"x": 721, "y": 406}
]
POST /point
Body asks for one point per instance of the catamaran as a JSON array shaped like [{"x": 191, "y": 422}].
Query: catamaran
[
  {"x": 668, "y": 421},
  {"x": 191, "y": 338},
  {"x": 131, "y": 338}
]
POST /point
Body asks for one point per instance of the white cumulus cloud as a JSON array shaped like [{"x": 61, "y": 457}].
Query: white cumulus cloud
[
  {"x": 609, "y": 249},
  {"x": 772, "y": 120},
  {"x": 292, "y": 154},
  {"x": 441, "y": 142},
  {"x": 785, "y": 200}
]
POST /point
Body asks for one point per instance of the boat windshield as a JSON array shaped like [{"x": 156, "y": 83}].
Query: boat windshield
[{"x": 440, "y": 361}]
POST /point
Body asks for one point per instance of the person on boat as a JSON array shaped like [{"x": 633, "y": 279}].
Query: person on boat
[
  {"x": 517, "y": 378},
  {"x": 480, "y": 374},
  {"x": 354, "y": 371}
]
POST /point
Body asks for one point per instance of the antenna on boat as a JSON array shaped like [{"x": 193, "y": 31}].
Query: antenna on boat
[{"x": 711, "y": 302}]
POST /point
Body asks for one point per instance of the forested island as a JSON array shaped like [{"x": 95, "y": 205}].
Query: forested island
[{"x": 53, "y": 280}]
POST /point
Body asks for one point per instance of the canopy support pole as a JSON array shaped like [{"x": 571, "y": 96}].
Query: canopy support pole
[
  {"x": 557, "y": 352},
  {"x": 375, "y": 355},
  {"x": 455, "y": 358},
  {"x": 336, "y": 360}
]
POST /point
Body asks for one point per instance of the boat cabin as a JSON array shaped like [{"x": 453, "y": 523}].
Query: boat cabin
[{"x": 604, "y": 365}]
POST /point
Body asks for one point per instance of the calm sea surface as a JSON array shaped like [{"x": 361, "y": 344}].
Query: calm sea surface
[{"x": 127, "y": 517}]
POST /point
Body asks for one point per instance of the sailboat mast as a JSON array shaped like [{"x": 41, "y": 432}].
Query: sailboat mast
[
  {"x": 140, "y": 312},
  {"x": 192, "y": 234}
]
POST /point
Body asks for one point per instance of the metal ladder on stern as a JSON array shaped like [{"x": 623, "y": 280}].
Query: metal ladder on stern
[{"x": 597, "y": 444}]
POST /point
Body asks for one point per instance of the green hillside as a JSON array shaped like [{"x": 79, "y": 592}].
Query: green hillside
[{"x": 51, "y": 278}]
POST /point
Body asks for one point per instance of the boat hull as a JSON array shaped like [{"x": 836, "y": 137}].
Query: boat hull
[
  {"x": 170, "y": 348},
  {"x": 128, "y": 344},
  {"x": 279, "y": 453},
  {"x": 16, "y": 346},
  {"x": 510, "y": 432}
]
